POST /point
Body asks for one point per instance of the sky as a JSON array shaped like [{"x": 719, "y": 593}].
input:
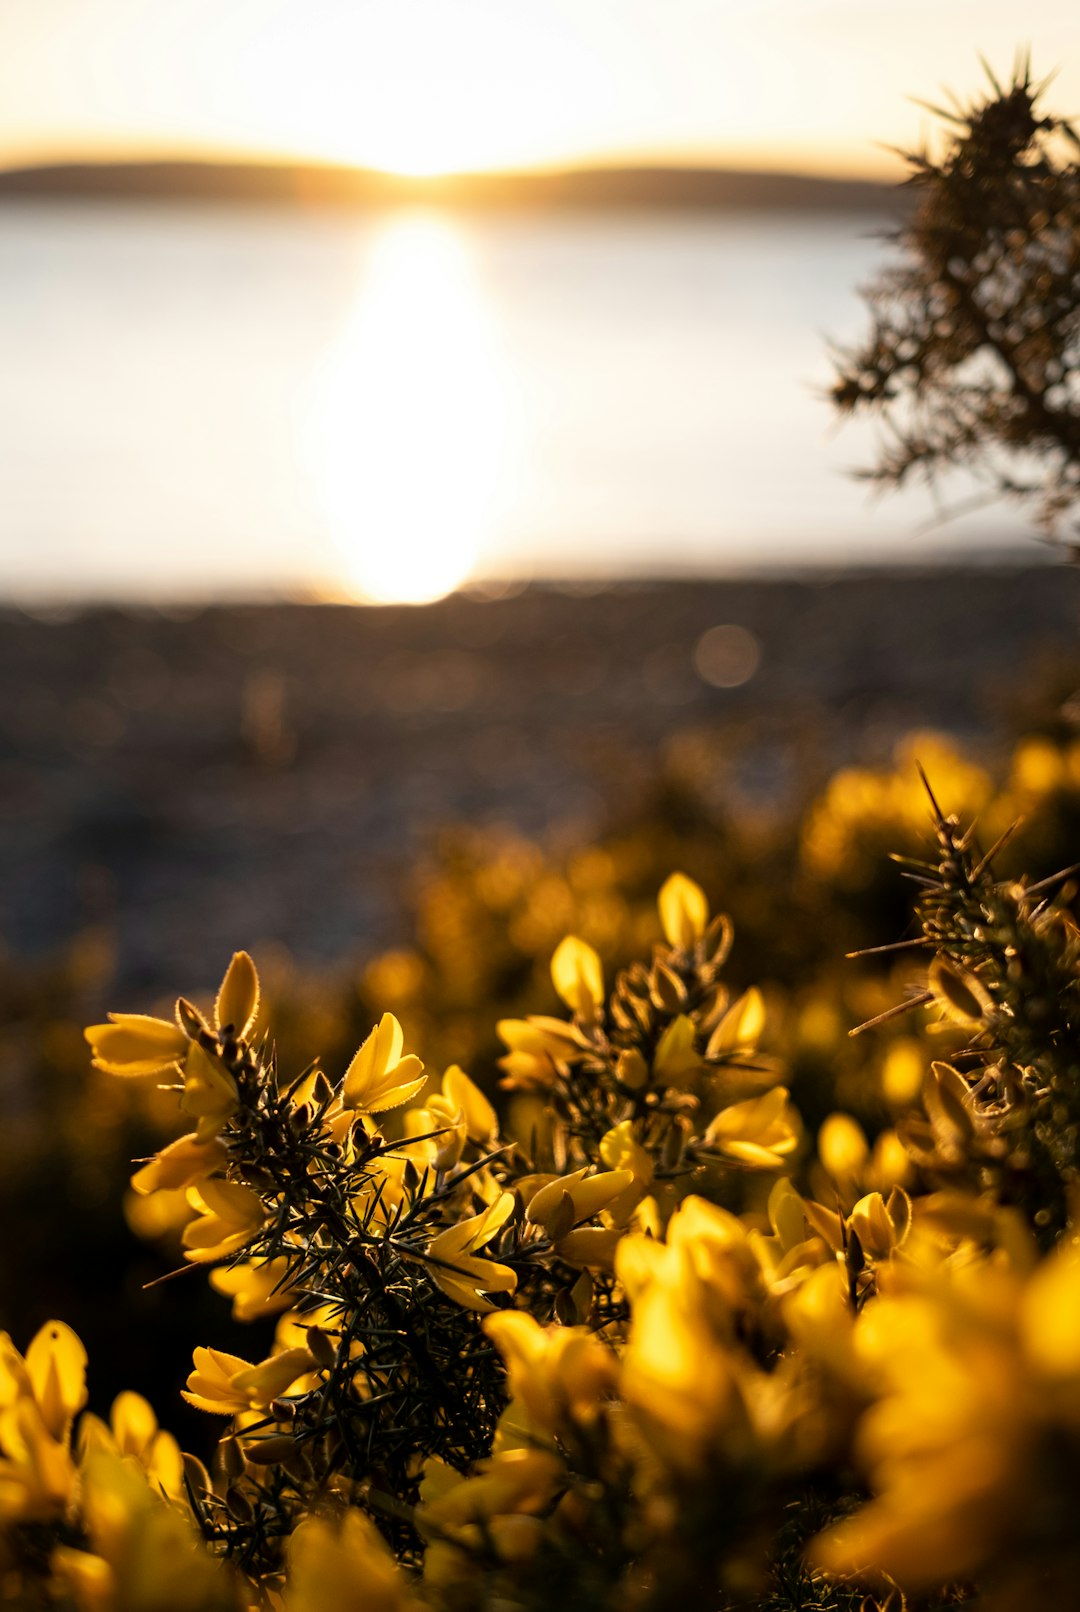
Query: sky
[{"x": 440, "y": 85}]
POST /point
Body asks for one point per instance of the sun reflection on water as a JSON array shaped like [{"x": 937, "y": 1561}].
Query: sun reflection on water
[{"x": 407, "y": 426}]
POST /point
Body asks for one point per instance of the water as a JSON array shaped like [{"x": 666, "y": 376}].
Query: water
[{"x": 195, "y": 402}]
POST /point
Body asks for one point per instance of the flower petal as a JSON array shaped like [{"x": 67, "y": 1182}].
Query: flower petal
[{"x": 238, "y": 999}]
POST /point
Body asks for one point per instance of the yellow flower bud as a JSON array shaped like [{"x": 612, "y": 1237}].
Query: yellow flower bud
[
  {"x": 578, "y": 976},
  {"x": 684, "y": 912},
  {"x": 871, "y": 1224},
  {"x": 740, "y": 1029},
  {"x": 842, "y": 1147},
  {"x": 481, "y": 1120},
  {"x": 676, "y": 1056},
  {"x": 588, "y": 1194},
  {"x": 238, "y": 999},
  {"x": 56, "y": 1366}
]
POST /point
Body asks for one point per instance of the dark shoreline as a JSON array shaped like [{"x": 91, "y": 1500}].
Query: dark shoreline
[
  {"x": 267, "y": 772},
  {"x": 647, "y": 188}
]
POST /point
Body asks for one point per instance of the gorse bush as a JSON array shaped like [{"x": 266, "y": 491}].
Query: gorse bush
[
  {"x": 390, "y": 1248},
  {"x": 480, "y": 920},
  {"x": 973, "y": 358},
  {"x": 648, "y": 1347}
]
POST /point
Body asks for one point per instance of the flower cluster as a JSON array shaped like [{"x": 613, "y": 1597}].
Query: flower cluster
[
  {"x": 641, "y": 1341},
  {"x": 380, "y": 1220},
  {"x": 97, "y": 1520}
]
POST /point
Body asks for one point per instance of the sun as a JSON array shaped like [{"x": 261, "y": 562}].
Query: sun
[{"x": 423, "y": 87}]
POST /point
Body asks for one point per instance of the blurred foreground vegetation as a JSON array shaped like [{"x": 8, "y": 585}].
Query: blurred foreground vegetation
[{"x": 694, "y": 1418}]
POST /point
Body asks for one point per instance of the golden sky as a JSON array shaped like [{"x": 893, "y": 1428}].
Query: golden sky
[{"x": 433, "y": 85}]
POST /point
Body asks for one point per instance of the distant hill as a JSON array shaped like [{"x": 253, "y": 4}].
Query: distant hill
[{"x": 315, "y": 185}]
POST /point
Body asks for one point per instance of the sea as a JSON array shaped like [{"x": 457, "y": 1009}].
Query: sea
[{"x": 199, "y": 402}]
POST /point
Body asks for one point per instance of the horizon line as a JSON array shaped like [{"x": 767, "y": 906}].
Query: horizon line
[{"x": 659, "y": 162}]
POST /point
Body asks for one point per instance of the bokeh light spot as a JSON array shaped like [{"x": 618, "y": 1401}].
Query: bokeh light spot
[{"x": 727, "y": 656}]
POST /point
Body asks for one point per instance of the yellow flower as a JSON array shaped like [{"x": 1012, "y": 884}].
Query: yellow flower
[
  {"x": 481, "y": 1120},
  {"x": 343, "y": 1566},
  {"x": 14, "y": 1378},
  {"x": 185, "y": 1161},
  {"x": 292, "y": 1329},
  {"x": 1050, "y": 1318},
  {"x": 819, "y": 1319},
  {"x": 451, "y": 1257},
  {"x": 518, "y": 1480},
  {"x": 879, "y": 1225},
  {"x": 496, "y": 1508},
  {"x": 705, "y": 1243},
  {"x": 86, "y": 1579},
  {"x": 684, "y": 912},
  {"x": 39, "y": 1398},
  {"x": 676, "y": 1372},
  {"x": 567, "y": 1200},
  {"x": 226, "y": 1385},
  {"x": 843, "y": 1148},
  {"x": 695, "y": 1393},
  {"x": 133, "y": 1432},
  {"x": 620, "y": 1150},
  {"x": 791, "y": 1254},
  {"x": 37, "y": 1474},
  {"x": 158, "y": 1214},
  {"x": 210, "y": 1094},
  {"x": 230, "y": 1215},
  {"x": 56, "y": 1368},
  {"x": 740, "y": 1029},
  {"x": 447, "y": 1119},
  {"x": 379, "y": 1077},
  {"x": 537, "y": 1045},
  {"x": 136, "y": 1044},
  {"x": 890, "y": 1163},
  {"x": 590, "y": 1248},
  {"x": 555, "y": 1372},
  {"x": 578, "y": 976},
  {"x": 148, "y": 1548},
  {"x": 442, "y": 1125},
  {"x": 902, "y": 1071},
  {"x": 257, "y": 1289},
  {"x": 940, "y": 1452},
  {"x": 676, "y": 1055},
  {"x": 975, "y": 1372},
  {"x": 134, "y": 1425},
  {"x": 760, "y": 1132}
]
